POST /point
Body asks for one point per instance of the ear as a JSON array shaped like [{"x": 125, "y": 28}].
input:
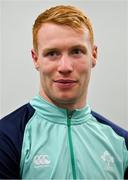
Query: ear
[
  {"x": 35, "y": 58},
  {"x": 94, "y": 56}
]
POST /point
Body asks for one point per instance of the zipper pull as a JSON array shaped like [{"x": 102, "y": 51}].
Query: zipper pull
[{"x": 69, "y": 116}]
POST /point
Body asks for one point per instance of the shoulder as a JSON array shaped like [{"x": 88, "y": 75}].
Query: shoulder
[
  {"x": 118, "y": 130},
  {"x": 11, "y": 136},
  {"x": 21, "y": 114},
  {"x": 13, "y": 124}
]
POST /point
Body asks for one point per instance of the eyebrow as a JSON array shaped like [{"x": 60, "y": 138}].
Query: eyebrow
[
  {"x": 79, "y": 46},
  {"x": 45, "y": 51}
]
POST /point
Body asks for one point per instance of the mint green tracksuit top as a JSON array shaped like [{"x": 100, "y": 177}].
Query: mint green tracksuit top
[{"x": 62, "y": 144}]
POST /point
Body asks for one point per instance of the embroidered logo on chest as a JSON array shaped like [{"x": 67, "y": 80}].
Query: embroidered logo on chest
[
  {"x": 108, "y": 160},
  {"x": 41, "y": 160}
]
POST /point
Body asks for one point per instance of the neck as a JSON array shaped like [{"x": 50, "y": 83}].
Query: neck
[{"x": 70, "y": 105}]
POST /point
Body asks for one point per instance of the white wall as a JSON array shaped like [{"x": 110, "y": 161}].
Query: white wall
[{"x": 108, "y": 92}]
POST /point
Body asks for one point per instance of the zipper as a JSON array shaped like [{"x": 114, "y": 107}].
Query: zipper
[{"x": 69, "y": 116}]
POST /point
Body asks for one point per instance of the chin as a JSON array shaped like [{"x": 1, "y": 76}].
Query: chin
[{"x": 65, "y": 100}]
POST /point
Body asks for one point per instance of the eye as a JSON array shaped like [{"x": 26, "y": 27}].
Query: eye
[
  {"x": 51, "y": 54},
  {"x": 78, "y": 52}
]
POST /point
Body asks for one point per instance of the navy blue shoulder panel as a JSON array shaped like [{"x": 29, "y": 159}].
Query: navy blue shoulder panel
[
  {"x": 120, "y": 131},
  {"x": 11, "y": 136}
]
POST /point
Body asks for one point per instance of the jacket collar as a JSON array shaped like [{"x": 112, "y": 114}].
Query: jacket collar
[{"x": 52, "y": 113}]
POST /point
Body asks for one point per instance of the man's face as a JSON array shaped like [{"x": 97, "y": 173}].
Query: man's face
[{"x": 64, "y": 60}]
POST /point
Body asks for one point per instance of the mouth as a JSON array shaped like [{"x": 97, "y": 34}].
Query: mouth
[{"x": 65, "y": 83}]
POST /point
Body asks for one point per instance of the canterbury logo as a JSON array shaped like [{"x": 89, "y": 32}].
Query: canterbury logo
[{"x": 41, "y": 160}]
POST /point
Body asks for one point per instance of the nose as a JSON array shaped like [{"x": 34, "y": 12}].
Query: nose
[{"x": 65, "y": 65}]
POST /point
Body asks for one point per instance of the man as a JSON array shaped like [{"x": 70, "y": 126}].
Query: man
[{"x": 56, "y": 135}]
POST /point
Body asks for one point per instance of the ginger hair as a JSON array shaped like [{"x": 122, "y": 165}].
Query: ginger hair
[{"x": 63, "y": 15}]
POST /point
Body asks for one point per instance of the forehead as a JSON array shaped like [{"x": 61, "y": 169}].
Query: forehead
[{"x": 51, "y": 34}]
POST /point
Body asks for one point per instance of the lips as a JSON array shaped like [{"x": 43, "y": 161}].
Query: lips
[{"x": 65, "y": 83}]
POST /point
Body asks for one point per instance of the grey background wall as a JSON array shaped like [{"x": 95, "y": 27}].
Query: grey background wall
[{"x": 108, "y": 90}]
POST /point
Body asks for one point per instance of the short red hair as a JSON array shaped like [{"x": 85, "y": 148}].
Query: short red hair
[{"x": 63, "y": 15}]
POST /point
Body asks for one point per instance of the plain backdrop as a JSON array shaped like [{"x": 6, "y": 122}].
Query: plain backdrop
[{"x": 19, "y": 81}]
